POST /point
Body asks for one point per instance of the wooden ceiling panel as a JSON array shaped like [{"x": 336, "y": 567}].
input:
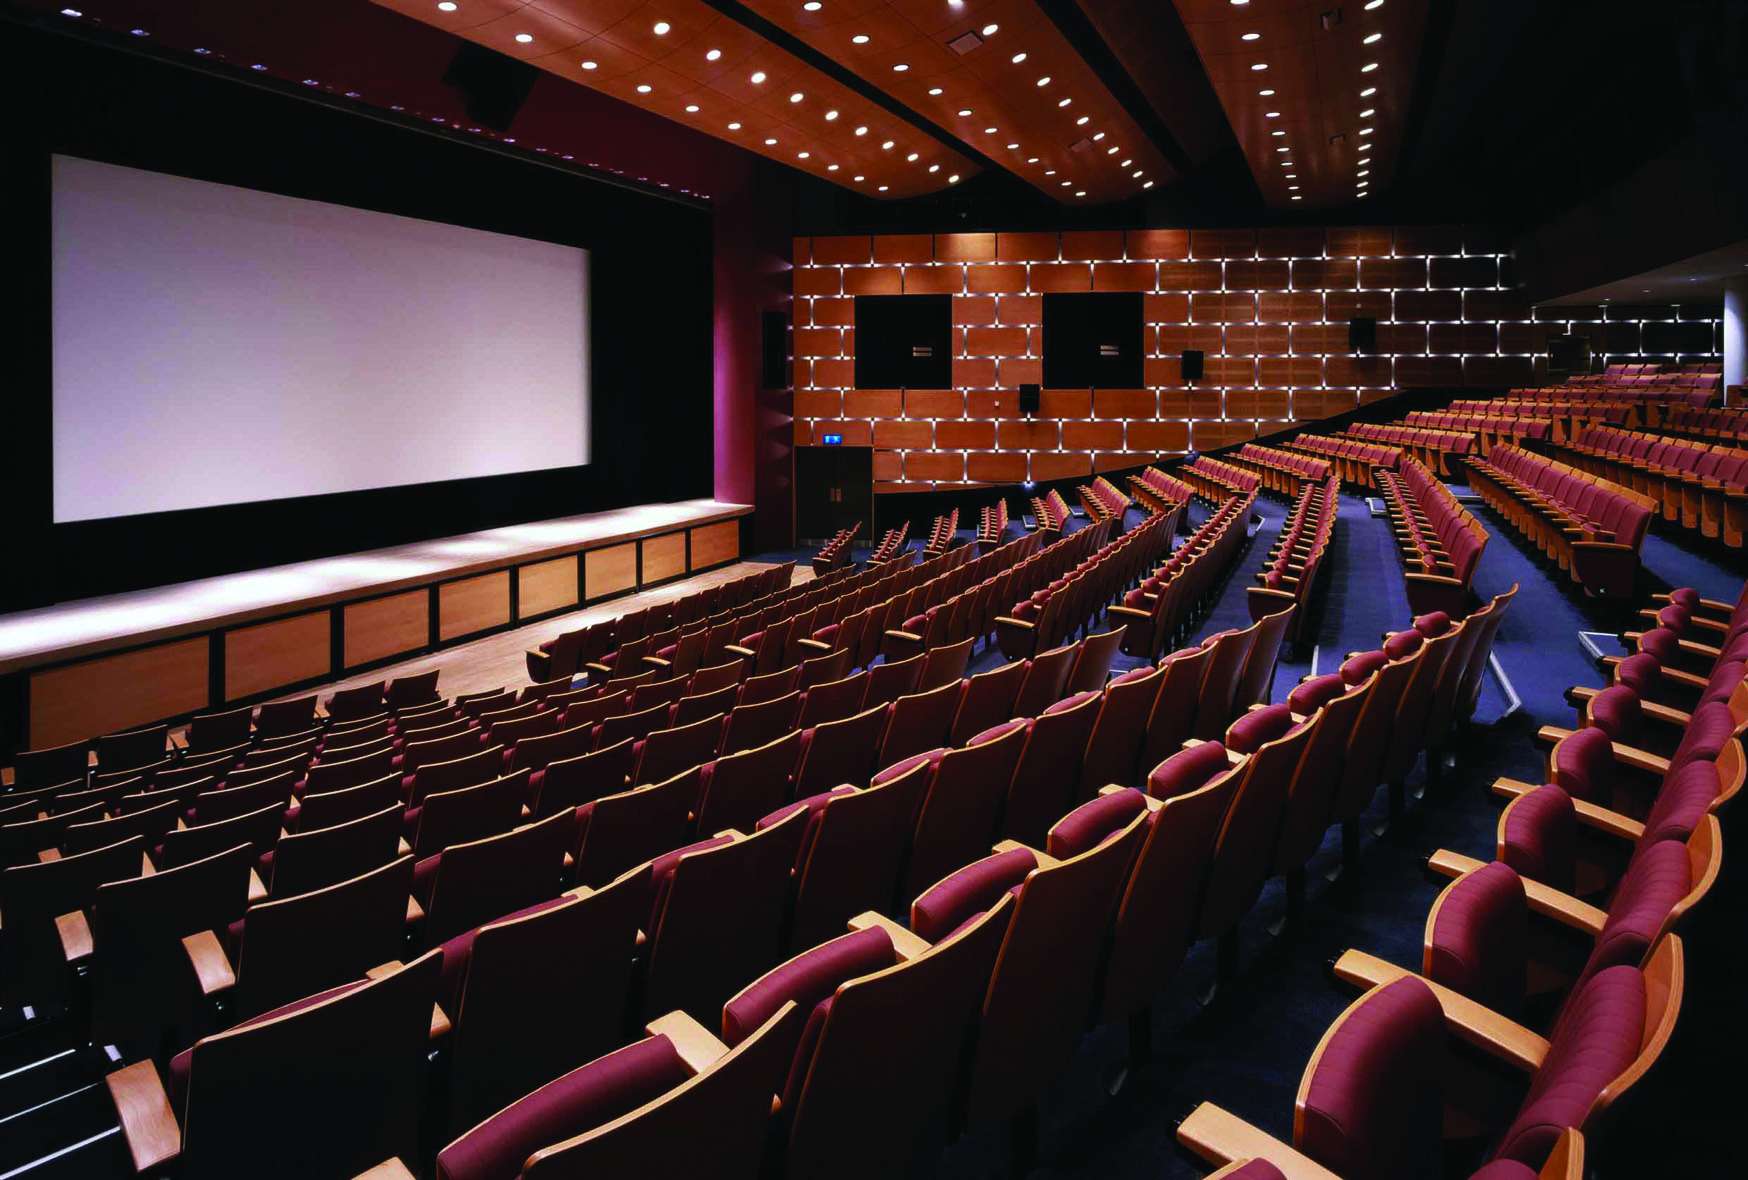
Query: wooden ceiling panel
[
  {"x": 613, "y": 46},
  {"x": 1341, "y": 143}
]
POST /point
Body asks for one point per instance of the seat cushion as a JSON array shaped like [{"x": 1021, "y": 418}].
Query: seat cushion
[
  {"x": 1710, "y": 727},
  {"x": 1615, "y": 710},
  {"x": 968, "y": 892},
  {"x": 1539, "y": 837},
  {"x": 1187, "y": 770},
  {"x": 581, "y": 1100},
  {"x": 1258, "y": 727},
  {"x": 1356, "y": 668},
  {"x": 807, "y": 979},
  {"x": 1433, "y": 624},
  {"x": 1316, "y": 692},
  {"x": 1655, "y": 882},
  {"x": 1477, "y": 943},
  {"x": 1403, "y": 643},
  {"x": 1686, "y": 796},
  {"x": 1597, "y": 1036},
  {"x": 1584, "y": 765},
  {"x": 1094, "y": 822}
]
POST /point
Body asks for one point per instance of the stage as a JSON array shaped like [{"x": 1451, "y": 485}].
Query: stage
[{"x": 93, "y": 666}]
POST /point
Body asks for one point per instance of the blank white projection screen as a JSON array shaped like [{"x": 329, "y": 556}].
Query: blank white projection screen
[{"x": 217, "y": 345}]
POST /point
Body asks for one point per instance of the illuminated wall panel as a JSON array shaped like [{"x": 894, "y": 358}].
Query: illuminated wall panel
[{"x": 1268, "y": 307}]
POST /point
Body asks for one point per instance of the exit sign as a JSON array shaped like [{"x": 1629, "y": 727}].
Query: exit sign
[{"x": 832, "y": 440}]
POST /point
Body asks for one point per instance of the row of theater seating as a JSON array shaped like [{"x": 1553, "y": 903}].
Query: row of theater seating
[
  {"x": 1071, "y": 601},
  {"x": 1729, "y": 425},
  {"x": 1050, "y": 511},
  {"x": 1352, "y": 459},
  {"x": 1102, "y": 498},
  {"x": 1587, "y": 526},
  {"x": 1702, "y": 487},
  {"x": 1281, "y": 472},
  {"x": 1158, "y": 612},
  {"x": 1588, "y": 859},
  {"x": 566, "y": 655},
  {"x": 1489, "y": 429},
  {"x": 1289, "y": 577},
  {"x": 892, "y": 543},
  {"x": 1214, "y": 480},
  {"x": 1158, "y": 491},
  {"x": 992, "y": 524},
  {"x": 970, "y": 609},
  {"x": 838, "y": 551},
  {"x": 1433, "y": 447},
  {"x": 941, "y": 534},
  {"x": 1439, "y": 541}
]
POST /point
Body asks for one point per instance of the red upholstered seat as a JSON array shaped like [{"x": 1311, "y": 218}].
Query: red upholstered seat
[{"x": 1476, "y": 938}]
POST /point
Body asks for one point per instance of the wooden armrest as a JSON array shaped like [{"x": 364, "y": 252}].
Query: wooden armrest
[
  {"x": 75, "y": 933},
  {"x": 48, "y": 856},
  {"x": 746, "y": 653},
  {"x": 603, "y": 669},
  {"x": 389, "y": 1169},
  {"x": 1640, "y": 759},
  {"x": 402, "y": 848},
  {"x": 1564, "y": 908},
  {"x": 1474, "y": 1023},
  {"x": 907, "y": 636},
  {"x": 382, "y": 970},
  {"x": 212, "y": 969},
  {"x": 179, "y": 740},
  {"x": 817, "y": 645},
  {"x": 147, "y": 1122},
  {"x": 1446, "y": 863},
  {"x": 1221, "y": 1137},
  {"x": 695, "y": 1044},
  {"x": 908, "y": 945},
  {"x": 415, "y": 911},
  {"x": 1703, "y": 650},
  {"x": 1603, "y": 819},
  {"x": 1127, "y": 612},
  {"x": 1664, "y": 714},
  {"x": 1013, "y": 622},
  {"x": 658, "y": 663}
]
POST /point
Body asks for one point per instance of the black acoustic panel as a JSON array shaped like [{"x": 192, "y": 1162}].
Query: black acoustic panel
[
  {"x": 1192, "y": 364},
  {"x": 1362, "y": 334},
  {"x": 1093, "y": 341},
  {"x": 904, "y": 341},
  {"x": 1677, "y": 337},
  {"x": 493, "y": 86},
  {"x": 1569, "y": 354},
  {"x": 1031, "y": 398},
  {"x": 773, "y": 350}
]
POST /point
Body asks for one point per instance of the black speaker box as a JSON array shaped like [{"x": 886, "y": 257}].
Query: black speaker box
[
  {"x": 493, "y": 86},
  {"x": 1030, "y": 399},
  {"x": 904, "y": 341},
  {"x": 1362, "y": 334},
  {"x": 1192, "y": 364}
]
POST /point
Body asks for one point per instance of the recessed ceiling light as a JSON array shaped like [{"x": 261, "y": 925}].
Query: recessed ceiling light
[
  {"x": 912, "y": 158},
  {"x": 1271, "y": 114},
  {"x": 831, "y": 116},
  {"x": 1368, "y": 92},
  {"x": 1018, "y": 58},
  {"x": 524, "y": 38},
  {"x": 964, "y": 111},
  {"x": 1291, "y": 175},
  {"x": 1277, "y": 134},
  {"x": 991, "y": 30},
  {"x": 1261, "y": 65},
  {"x": 692, "y": 108},
  {"x": 1251, "y": 37},
  {"x": 1064, "y": 102},
  {"x": 900, "y": 68},
  {"x": 1266, "y": 93},
  {"x": 831, "y": 167},
  {"x": 661, "y": 28},
  {"x": 796, "y": 97},
  {"x": 1124, "y": 163},
  {"x": 758, "y": 78},
  {"x": 1112, "y": 150},
  {"x": 859, "y": 179},
  {"x": 1367, "y": 113},
  {"x": 861, "y": 131},
  {"x": 989, "y": 130},
  {"x": 1013, "y": 147},
  {"x": 446, "y": 6},
  {"x": 1374, "y": 39},
  {"x": 1368, "y": 67},
  {"x": 1292, "y": 188},
  {"x": 1139, "y": 173},
  {"x": 1149, "y": 184},
  {"x": 1067, "y": 184},
  {"x": 1049, "y": 172},
  {"x": 771, "y": 141},
  {"x": 1082, "y": 193},
  {"x": 1098, "y": 137},
  {"x": 953, "y": 179},
  {"x": 644, "y": 88},
  {"x": 802, "y": 155},
  {"x": 1044, "y": 81},
  {"x": 860, "y": 39},
  {"x": 935, "y": 90},
  {"x": 1239, "y": 3},
  {"x": 1364, "y": 183},
  {"x": 887, "y": 146},
  {"x": 1031, "y": 159},
  {"x": 812, "y": 6},
  {"x": 934, "y": 167},
  {"x": 1374, "y": 4},
  {"x": 884, "y": 187},
  {"x": 713, "y": 55},
  {"x": 1365, "y": 130},
  {"x": 1364, "y": 172},
  {"x": 589, "y": 65},
  {"x": 1295, "y": 196}
]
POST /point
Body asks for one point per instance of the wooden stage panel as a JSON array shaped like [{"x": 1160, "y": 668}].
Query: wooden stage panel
[
  {"x": 546, "y": 586},
  {"x": 663, "y": 557},
  {"x": 473, "y": 604},
  {"x": 286, "y": 651},
  {"x": 713, "y": 544},
  {"x": 79, "y": 701},
  {"x": 384, "y": 627},
  {"x": 609, "y": 570}
]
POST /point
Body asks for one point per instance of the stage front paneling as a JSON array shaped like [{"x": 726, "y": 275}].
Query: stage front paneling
[
  {"x": 663, "y": 558},
  {"x": 474, "y": 604},
  {"x": 612, "y": 570},
  {"x": 714, "y": 544},
  {"x": 545, "y": 586},
  {"x": 388, "y": 626},
  {"x": 118, "y": 692},
  {"x": 266, "y": 656}
]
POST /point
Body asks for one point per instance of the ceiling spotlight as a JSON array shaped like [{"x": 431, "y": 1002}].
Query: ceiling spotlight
[
  {"x": 691, "y": 108},
  {"x": 1295, "y": 196},
  {"x": 859, "y": 179},
  {"x": 1271, "y": 114},
  {"x": 1368, "y": 67},
  {"x": 1269, "y": 93},
  {"x": 802, "y": 155},
  {"x": 1031, "y": 159},
  {"x": 887, "y": 146},
  {"x": 884, "y": 187},
  {"x": 861, "y": 131},
  {"x": 991, "y": 30},
  {"x": 1277, "y": 134},
  {"x": 1083, "y": 121},
  {"x": 1364, "y": 172},
  {"x": 989, "y": 130},
  {"x": 1365, "y": 130},
  {"x": 1292, "y": 188},
  {"x": 1064, "y": 102},
  {"x": 1374, "y": 39},
  {"x": 812, "y": 6},
  {"x": 831, "y": 167},
  {"x": 1112, "y": 150},
  {"x": 1068, "y": 184},
  {"x": 524, "y": 38},
  {"x": 771, "y": 141},
  {"x": 1082, "y": 193},
  {"x": 1098, "y": 137},
  {"x": 713, "y": 55},
  {"x": 900, "y": 68},
  {"x": 1013, "y": 147},
  {"x": 1149, "y": 184},
  {"x": 1291, "y": 175},
  {"x": 1124, "y": 163},
  {"x": 953, "y": 179},
  {"x": 644, "y": 88},
  {"x": 758, "y": 78},
  {"x": 796, "y": 97},
  {"x": 734, "y": 126},
  {"x": 1367, "y": 113},
  {"x": 935, "y": 90},
  {"x": 1368, "y": 92},
  {"x": 934, "y": 167},
  {"x": 1259, "y": 66},
  {"x": 831, "y": 116},
  {"x": 1044, "y": 81},
  {"x": 1374, "y": 4},
  {"x": 860, "y": 39},
  {"x": 1364, "y": 183},
  {"x": 1251, "y": 37},
  {"x": 589, "y": 65},
  {"x": 446, "y": 6},
  {"x": 1049, "y": 172},
  {"x": 1138, "y": 174},
  {"x": 1239, "y": 3},
  {"x": 912, "y": 158},
  {"x": 964, "y": 111},
  {"x": 661, "y": 28},
  {"x": 1018, "y": 58}
]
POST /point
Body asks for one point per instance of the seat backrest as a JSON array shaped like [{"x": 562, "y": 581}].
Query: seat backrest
[
  {"x": 1046, "y": 780},
  {"x": 351, "y": 771},
  {"x": 571, "y": 782},
  {"x": 258, "y": 829},
  {"x": 944, "y": 665},
  {"x": 50, "y": 765},
  {"x": 1370, "y": 1101},
  {"x": 1114, "y": 747},
  {"x": 480, "y": 880},
  {"x": 1046, "y": 680},
  {"x": 755, "y": 690},
  {"x": 1257, "y": 678},
  {"x": 539, "y": 991},
  {"x": 958, "y": 818},
  {"x": 1216, "y": 703},
  {"x": 34, "y": 894},
  {"x": 352, "y": 1065},
  {"x": 296, "y": 946},
  {"x": 1092, "y": 662},
  {"x": 740, "y": 788},
  {"x": 667, "y": 752},
  {"x": 318, "y": 857},
  {"x": 470, "y": 813},
  {"x": 230, "y": 802},
  {"x": 840, "y": 751},
  {"x": 151, "y": 823},
  {"x": 1243, "y": 852},
  {"x": 482, "y": 765},
  {"x": 986, "y": 700},
  {"x": 832, "y": 700},
  {"x": 1174, "y": 711},
  {"x": 852, "y": 854},
  {"x": 1477, "y": 938},
  {"x": 624, "y": 829},
  {"x": 759, "y": 722},
  {"x": 887, "y": 682},
  {"x": 919, "y": 721},
  {"x": 283, "y": 717},
  {"x": 217, "y": 731}
]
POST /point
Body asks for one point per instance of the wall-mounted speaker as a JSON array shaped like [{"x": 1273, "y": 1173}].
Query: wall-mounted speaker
[
  {"x": 1192, "y": 364},
  {"x": 1031, "y": 398},
  {"x": 773, "y": 350},
  {"x": 493, "y": 86},
  {"x": 1362, "y": 334}
]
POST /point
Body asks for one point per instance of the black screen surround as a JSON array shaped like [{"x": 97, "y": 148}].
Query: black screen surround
[
  {"x": 904, "y": 341},
  {"x": 1093, "y": 341}
]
